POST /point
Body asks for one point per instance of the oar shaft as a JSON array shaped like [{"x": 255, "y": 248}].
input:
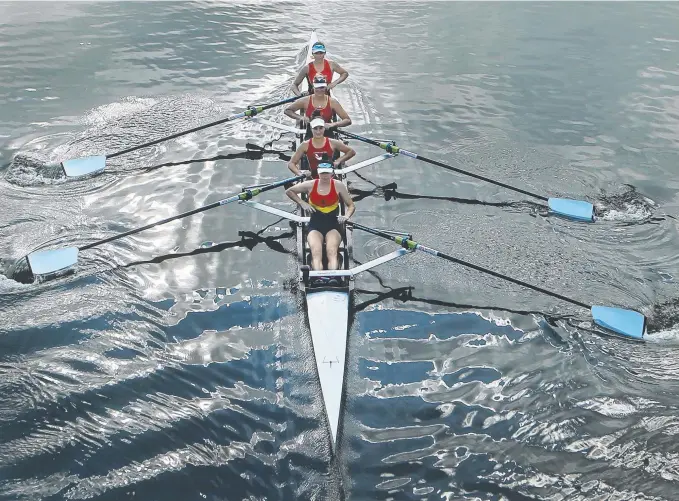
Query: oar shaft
[
  {"x": 176, "y": 135},
  {"x": 471, "y": 174},
  {"x": 247, "y": 113},
  {"x": 392, "y": 148},
  {"x": 410, "y": 244},
  {"x": 151, "y": 225},
  {"x": 245, "y": 195}
]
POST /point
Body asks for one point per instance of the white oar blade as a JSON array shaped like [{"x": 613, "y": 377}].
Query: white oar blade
[
  {"x": 574, "y": 209},
  {"x": 51, "y": 261},
  {"x": 84, "y": 166},
  {"x": 627, "y": 323}
]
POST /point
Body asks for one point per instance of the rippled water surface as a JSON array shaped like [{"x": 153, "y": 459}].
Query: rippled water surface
[{"x": 176, "y": 364}]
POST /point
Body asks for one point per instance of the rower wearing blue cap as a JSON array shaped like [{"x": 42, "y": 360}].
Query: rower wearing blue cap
[{"x": 319, "y": 66}]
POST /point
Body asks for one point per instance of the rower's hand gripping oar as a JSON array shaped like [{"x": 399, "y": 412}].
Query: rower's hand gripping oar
[
  {"x": 574, "y": 209},
  {"x": 51, "y": 261},
  {"x": 91, "y": 165},
  {"x": 627, "y": 323}
]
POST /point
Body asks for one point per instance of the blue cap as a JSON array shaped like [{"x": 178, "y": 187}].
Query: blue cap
[{"x": 317, "y": 47}]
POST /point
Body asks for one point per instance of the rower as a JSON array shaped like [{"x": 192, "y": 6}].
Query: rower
[
  {"x": 320, "y": 65},
  {"x": 325, "y": 220},
  {"x": 313, "y": 150},
  {"x": 327, "y": 107}
]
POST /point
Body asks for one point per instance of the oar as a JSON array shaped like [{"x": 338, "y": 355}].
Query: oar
[
  {"x": 628, "y": 323},
  {"x": 51, "y": 261},
  {"x": 91, "y": 165},
  {"x": 574, "y": 209}
]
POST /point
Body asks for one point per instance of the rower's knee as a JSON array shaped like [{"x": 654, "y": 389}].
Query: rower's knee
[{"x": 331, "y": 251}]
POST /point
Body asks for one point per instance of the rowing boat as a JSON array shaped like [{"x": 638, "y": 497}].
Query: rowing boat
[
  {"x": 327, "y": 309},
  {"x": 327, "y": 304}
]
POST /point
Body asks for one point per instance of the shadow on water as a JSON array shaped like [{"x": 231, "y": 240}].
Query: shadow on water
[
  {"x": 253, "y": 152},
  {"x": 248, "y": 240}
]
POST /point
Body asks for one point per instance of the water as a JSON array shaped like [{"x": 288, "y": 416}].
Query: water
[{"x": 176, "y": 364}]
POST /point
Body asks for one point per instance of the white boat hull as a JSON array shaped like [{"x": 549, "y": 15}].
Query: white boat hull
[{"x": 328, "y": 313}]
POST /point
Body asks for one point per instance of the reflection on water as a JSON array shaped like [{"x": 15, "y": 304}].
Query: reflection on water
[{"x": 176, "y": 363}]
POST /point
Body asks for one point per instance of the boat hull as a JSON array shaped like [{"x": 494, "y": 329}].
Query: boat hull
[{"x": 328, "y": 313}]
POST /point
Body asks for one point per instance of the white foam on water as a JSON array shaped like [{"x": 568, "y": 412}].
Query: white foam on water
[{"x": 669, "y": 336}]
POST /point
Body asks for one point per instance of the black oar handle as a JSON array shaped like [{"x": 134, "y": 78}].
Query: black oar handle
[
  {"x": 392, "y": 148},
  {"x": 412, "y": 245},
  {"x": 252, "y": 109}
]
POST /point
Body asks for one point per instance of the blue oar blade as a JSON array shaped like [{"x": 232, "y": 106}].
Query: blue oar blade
[
  {"x": 51, "y": 261},
  {"x": 574, "y": 209},
  {"x": 84, "y": 166},
  {"x": 624, "y": 322}
]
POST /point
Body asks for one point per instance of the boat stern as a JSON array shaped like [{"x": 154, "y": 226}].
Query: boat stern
[{"x": 328, "y": 312}]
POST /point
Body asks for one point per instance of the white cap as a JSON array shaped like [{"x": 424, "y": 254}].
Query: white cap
[
  {"x": 316, "y": 122},
  {"x": 325, "y": 167}
]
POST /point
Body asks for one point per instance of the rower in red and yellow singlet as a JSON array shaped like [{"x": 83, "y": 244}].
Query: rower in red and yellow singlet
[
  {"x": 320, "y": 65},
  {"x": 322, "y": 105},
  {"x": 317, "y": 148},
  {"x": 325, "y": 222}
]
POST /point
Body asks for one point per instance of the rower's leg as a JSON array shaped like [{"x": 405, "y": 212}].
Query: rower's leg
[
  {"x": 315, "y": 240},
  {"x": 332, "y": 243}
]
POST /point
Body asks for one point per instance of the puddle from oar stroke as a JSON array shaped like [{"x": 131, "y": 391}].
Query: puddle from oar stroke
[
  {"x": 663, "y": 322},
  {"x": 9, "y": 284},
  {"x": 665, "y": 337},
  {"x": 31, "y": 168},
  {"x": 16, "y": 270},
  {"x": 629, "y": 206}
]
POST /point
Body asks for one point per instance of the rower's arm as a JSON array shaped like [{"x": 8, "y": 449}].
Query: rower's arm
[
  {"x": 299, "y": 79},
  {"x": 346, "y": 150},
  {"x": 345, "y": 119},
  {"x": 293, "y": 164},
  {"x": 343, "y": 75},
  {"x": 294, "y": 192},
  {"x": 296, "y": 106},
  {"x": 346, "y": 198}
]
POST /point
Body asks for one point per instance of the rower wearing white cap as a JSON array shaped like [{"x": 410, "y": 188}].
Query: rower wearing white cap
[
  {"x": 320, "y": 65},
  {"x": 323, "y": 207},
  {"x": 327, "y": 107},
  {"x": 317, "y": 148}
]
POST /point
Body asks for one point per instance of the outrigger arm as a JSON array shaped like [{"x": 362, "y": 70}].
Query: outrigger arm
[{"x": 307, "y": 273}]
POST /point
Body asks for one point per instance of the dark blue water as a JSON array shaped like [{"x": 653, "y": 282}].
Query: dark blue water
[{"x": 176, "y": 364}]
